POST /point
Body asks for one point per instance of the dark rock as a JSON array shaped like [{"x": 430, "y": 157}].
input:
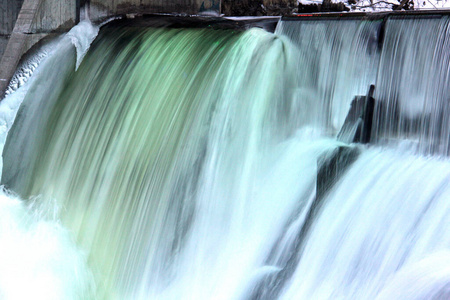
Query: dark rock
[{"x": 357, "y": 126}]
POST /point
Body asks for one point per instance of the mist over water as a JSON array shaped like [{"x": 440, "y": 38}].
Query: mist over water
[
  {"x": 184, "y": 165},
  {"x": 38, "y": 252}
]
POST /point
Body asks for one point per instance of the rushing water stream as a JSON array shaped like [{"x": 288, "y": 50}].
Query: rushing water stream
[{"x": 183, "y": 164}]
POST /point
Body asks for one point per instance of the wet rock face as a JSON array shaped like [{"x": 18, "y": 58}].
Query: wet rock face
[{"x": 258, "y": 7}]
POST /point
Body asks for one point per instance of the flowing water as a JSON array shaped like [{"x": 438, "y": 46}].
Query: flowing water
[
  {"x": 337, "y": 59},
  {"x": 413, "y": 81},
  {"x": 183, "y": 164}
]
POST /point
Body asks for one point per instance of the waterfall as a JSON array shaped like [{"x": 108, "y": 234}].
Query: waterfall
[
  {"x": 413, "y": 81},
  {"x": 39, "y": 257},
  {"x": 373, "y": 226},
  {"x": 337, "y": 59},
  {"x": 188, "y": 164}
]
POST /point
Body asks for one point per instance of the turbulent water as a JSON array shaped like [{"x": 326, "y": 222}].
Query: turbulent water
[{"x": 183, "y": 164}]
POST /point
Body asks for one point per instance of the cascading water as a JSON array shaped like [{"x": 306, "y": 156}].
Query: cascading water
[
  {"x": 38, "y": 256},
  {"x": 413, "y": 81},
  {"x": 337, "y": 59},
  {"x": 373, "y": 227},
  {"x": 185, "y": 164}
]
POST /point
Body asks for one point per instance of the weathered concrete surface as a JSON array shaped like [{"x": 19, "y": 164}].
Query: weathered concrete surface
[
  {"x": 54, "y": 15},
  {"x": 36, "y": 19},
  {"x": 3, "y": 43},
  {"x": 9, "y": 10},
  {"x": 103, "y": 8}
]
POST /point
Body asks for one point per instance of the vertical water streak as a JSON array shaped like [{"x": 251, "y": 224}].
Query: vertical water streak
[
  {"x": 337, "y": 60},
  {"x": 413, "y": 81}
]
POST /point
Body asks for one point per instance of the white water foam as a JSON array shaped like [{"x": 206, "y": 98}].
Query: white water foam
[
  {"x": 39, "y": 259},
  {"x": 383, "y": 232}
]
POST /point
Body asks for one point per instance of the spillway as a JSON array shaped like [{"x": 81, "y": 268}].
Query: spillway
[{"x": 194, "y": 163}]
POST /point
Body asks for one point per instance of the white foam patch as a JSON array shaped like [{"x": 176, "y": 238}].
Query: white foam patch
[{"x": 38, "y": 258}]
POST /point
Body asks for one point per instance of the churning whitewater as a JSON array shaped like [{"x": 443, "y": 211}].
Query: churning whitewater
[{"x": 171, "y": 163}]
